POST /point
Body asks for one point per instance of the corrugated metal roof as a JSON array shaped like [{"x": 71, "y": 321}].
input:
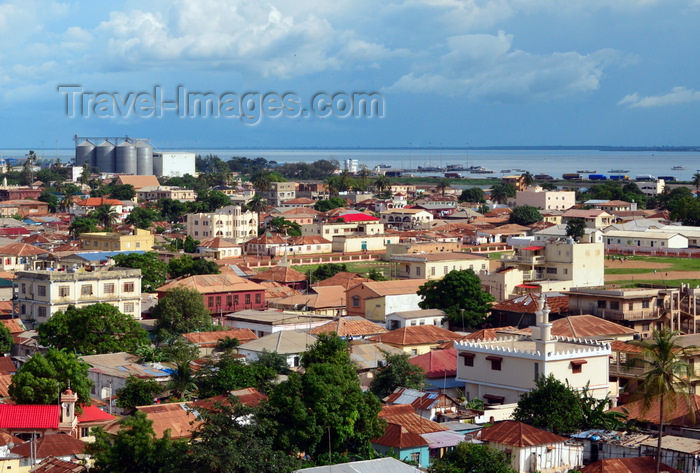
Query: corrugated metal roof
[
  {"x": 28, "y": 416},
  {"x": 52, "y": 445},
  {"x": 396, "y": 436},
  {"x": 378, "y": 465},
  {"x": 417, "y": 335},
  {"x": 448, "y": 438},
  {"x": 627, "y": 465},
  {"x": 517, "y": 434}
]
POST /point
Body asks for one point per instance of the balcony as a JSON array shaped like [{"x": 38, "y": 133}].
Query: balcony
[
  {"x": 624, "y": 371},
  {"x": 518, "y": 259},
  {"x": 611, "y": 314}
]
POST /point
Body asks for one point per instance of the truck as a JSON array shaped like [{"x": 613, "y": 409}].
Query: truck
[
  {"x": 619, "y": 177},
  {"x": 597, "y": 177},
  {"x": 645, "y": 177},
  {"x": 572, "y": 176},
  {"x": 453, "y": 175}
]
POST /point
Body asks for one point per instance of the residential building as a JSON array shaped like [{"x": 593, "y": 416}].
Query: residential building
[
  {"x": 219, "y": 248},
  {"x": 520, "y": 311},
  {"x": 417, "y": 339},
  {"x": 152, "y": 194},
  {"x": 284, "y": 275},
  {"x": 19, "y": 256},
  {"x": 265, "y": 322},
  {"x": 435, "y": 266},
  {"x": 229, "y": 222},
  {"x": 611, "y": 206},
  {"x": 640, "y": 309},
  {"x": 110, "y": 241},
  {"x": 289, "y": 343},
  {"x": 397, "y": 320},
  {"x": 518, "y": 180},
  {"x": 498, "y": 371},
  {"x": 533, "y": 449},
  {"x": 407, "y": 219},
  {"x": 375, "y": 299},
  {"x": 266, "y": 244},
  {"x": 357, "y": 243},
  {"x": 206, "y": 342},
  {"x": 545, "y": 200},
  {"x": 429, "y": 405},
  {"x": 279, "y": 192},
  {"x": 628, "y": 465},
  {"x": 572, "y": 264},
  {"x": 16, "y": 192},
  {"x": 591, "y": 235},
  {"x": 40, "y": 294},
  {"x": 303, "y": 245},
  {"x": 440, "y": 368},
  {"x": 174, "y": 163},
  {"x": 313, "y": 190},
  {"x": 651, "y": 188},
  {"x": 504, "y": 283},
  {"x": 138, "y": 182},
  {"x": 297, "y": 202},
  {"x": 223, "y": 293},
  {"x": 83, "y": 207},
  {"x": 421, "y": 247},
  {"x": 350, "y": 328},
  {"x": 659, "y": 240},
  {"x": 348, "y": 224},
  {"x": 593, "y": 218},
  {"x": 23, "y": 208}
]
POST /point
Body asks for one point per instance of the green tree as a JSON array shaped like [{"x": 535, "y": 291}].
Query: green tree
[
  {"x": 182, "y": 310},
  {"x": 190, "y": 245},
  {"x": 229, "y": 373},
  {"x": 324, "y": 205},
  {"x": 66, "y": 202},
  {"x": 142, "y": 218},
  {"x": 186, "y": 265},
  {"x": 228, "y": 441},
  {"x": 325, "y": 404},
  {"x": 528, "y": 179},
  {"x": 6, "y": 340},
  {"x": 375, "y": 275},
  {"x": 93, "y": 330},
  {"x": 136, "y": 448},
  {"x": 525, "y": 215},
  {"x": 50, "y": 198},
  {"x": 472, "y": 458},
  {"x": 667, "y": 376},
  {"x": 382, "y": 184},
  {"x": 154, "y": 271},
  {"x": 282, "y": 225},
  {"x": 326, "y": 271},
  {"x": 501, "y": 192},
  {"x": 397, "y": 372},
  {"x": 473, "y": 194},
  {"x": 171, "y": 210},
  {"x": 442, "y": 186},
  {"x": 122, "y": 192},
  {"x": 105, "y": 215},
  {"x": 213, "y": 199},
  {"x": 576, "y": 228},
  {"x": 696, "y": 181},
  {"x": 83, "y": 225},
  {"x": 460, "y": 296},
  {"x": 43, "y": 377},
  {"x": 138, "y": 392},
  {"x": 183, "y": 382},
  {"x": 551, "y": 405}
]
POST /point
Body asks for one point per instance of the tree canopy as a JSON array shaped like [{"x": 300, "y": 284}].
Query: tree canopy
[
  {"x": 138, "y": 392},
  {"x": 6, "y": 340},
  {"x": 472, "y": 458},
  {"x": 182, "y": 310},
  {"x": 186, "y": 265},
  {"x": 474, "y": 194},
  {"x": 460, "y": 296},
  {"x": 326, "y": 271},
  {"x": 324, "y": 205},
  {"x": 43, "y": 377},
  {"x": 552, "y": 406},
  {"x": 154, "y": 271},
  {"x": 397, "y": 372},
  {"x": 576, "y": 228},
  {"x": 93, "y": 330},
  {"x": 525, "y": 215}
]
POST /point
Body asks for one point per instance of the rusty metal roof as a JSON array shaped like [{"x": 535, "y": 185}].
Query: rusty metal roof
[
  {"x": 587, "y": 326},
  {"x": 517, "y": 434},
  {"x": 396, "y": 436},
  {"x": 417, "y": 335},
  {"x": 627, "y": 465}
]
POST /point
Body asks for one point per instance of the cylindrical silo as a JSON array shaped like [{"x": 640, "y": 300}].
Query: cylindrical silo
[
  {"x": 126, "y": 158},
  {"x": 84, "y": 153},
  {"x": 144, "y": 159},
  {"x": 105, "y": 156}
]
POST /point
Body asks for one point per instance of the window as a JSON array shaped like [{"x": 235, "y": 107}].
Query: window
[
  {"x": 258, "y": 298},
  {"x": 23, "y": 309},
  {"x": 659, "y": 302},
  {"x": 432, "y": 271},
  {"x": 631, "y": 306},
  {"x": 551, "y": 270},
  {"x": 645, "y": 304},
  {"x": 235, "y": 300},
  {"x": 614, "y": 305},
  {"x": 41, "y": 290},
  {"x": 24, "y": 288},
  {"x": 86, "y": 290},
  {"x": 467, "y": 359},
  {"x": 247, "y": 298},
  {"x": 218, "y": 301},
  {"x": 645, "y": 327},
  {"x": 356, "y": 301},
  {"x": 211, "y": 301},
  {"x": 602, "y": 304},
  {"x": 42, "y": 311},
  {"x": 128, "y": 287},
  {"x": 537, "y": 370},
  {"x": 417, "y": 270},
  {"x": 109, "y": 288},
  {"x": 495, "y": 362},
  {"x": 576, "y": 366},
  {"x": 228, "y": 300},
  {"x": 415, "y": 457},
  {"x": 129, "y": 308},
  {"x": 63, "y": 291}
]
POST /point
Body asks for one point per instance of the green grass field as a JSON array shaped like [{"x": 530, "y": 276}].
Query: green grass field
[
  {"x": 676, "y": 264},
  {"x": 670, "y": 282}
]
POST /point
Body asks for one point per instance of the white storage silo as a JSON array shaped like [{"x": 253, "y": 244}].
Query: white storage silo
[
  {"x": 144, "y": 159},
  {"x": 105, "y": 156},
  {"x": 85, "y": 153},
  {"x": 125, "y": 158}
]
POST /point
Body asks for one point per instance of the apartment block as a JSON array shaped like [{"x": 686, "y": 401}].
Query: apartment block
[
  {"x": 152, "y": 194},
  {"x": 279, "y": 192},
  {"x": 109, "y": 241},
  {"x": 437, "y": 265},
  {"x": 40, "y": 294},
  {"x": 227, "y": 222},
  {"x": 544, "y": 199}
]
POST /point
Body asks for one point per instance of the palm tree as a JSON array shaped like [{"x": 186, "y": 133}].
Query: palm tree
[
  {"x": 696, "y": 181},
  {"x": 363, "y": 175},
  {"x": 257, "y": 204},
  {"x": 666, "y": 377},
  {"x": 382, "y": 183},
  {"x": 528, "y": 179},
  {"x": 85, "y": 175},
  {"x": 442, "y": 186},
  {"x": 182, "y": 381},
  {"x": 261, "y": 181},
  {"x": 499, "y": 194},
  {"x": 105, "y": 215},
  {"x": 66, "y": 202}
]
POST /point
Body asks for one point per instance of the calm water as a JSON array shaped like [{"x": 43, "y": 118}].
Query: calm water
[{"x": 554, "y": 163}]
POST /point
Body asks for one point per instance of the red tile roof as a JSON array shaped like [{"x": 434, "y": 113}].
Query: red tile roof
[
  {"x": 417, "y": 335},
  {"x": 280, "y": 274},
  {"x": 93, "y": 414},
  {"x": 527, "y": 304},
  {"x": 517, "y": 434},
  {"x": 21, "y": 249},
  {"x": 97, "y": 201},
  {"x": 52, "y": 445},
  {"x": 437, "y": 363},
  {"x": 210, "y": 339},
  {"x": 6, "y": 365},
  {"x": 679, "y": 414},
  {"x": 29, "y": 416}
]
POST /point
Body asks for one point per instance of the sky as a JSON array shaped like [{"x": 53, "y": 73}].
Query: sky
[{"x": 290, "y": 73}]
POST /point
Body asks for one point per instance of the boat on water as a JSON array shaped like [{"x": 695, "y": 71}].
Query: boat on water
[
  {"x": 505, "y": 171},
  {"x": 619, "y": 170},
  {"x": 587, "y": 172},
  {"x": 479, "y": 170},
  {"x": 520, "y": 170},
  {"x": 678, "y": 168},
  {"x": 384, "y": 166}
]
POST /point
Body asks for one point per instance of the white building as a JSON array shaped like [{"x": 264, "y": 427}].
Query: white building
[
  {"x": 646, "y": 239},
  {"x": 545, "y": 200},
  {"x": 173, "y": 163},
  {"x": 498, "y": 371},
  {"x": 227, "y": 222}
]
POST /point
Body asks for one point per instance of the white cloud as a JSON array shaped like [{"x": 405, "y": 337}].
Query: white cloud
[
  {"x": 487, "y": 68},
  {"x": 677, "y": 96}
]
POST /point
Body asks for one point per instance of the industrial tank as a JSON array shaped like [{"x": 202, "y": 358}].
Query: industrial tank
[
  {"x": 85, "y": 153},
  {"x": 144, "y": 159},
  {"x": 105, "y": 156},
  {"x": 126, "y": 158}
]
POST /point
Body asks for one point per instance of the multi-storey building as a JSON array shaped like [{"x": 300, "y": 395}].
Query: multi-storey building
[
  {"x": 227, "y": 222},
  {"x": 40, "y": 294},
  {"x": 109, "y": 241},
  {"x": 349, "y": 224},
  {"x": 279, "y": 192},
  {"x": 546, "y": 200},
  {"x": 407, "y": 219},
  {"x": 438, "y": 265},
  {"x": 152, "y": 194}
]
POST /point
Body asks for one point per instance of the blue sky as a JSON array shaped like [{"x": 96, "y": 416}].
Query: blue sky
[{"x": 451, "y": 72}]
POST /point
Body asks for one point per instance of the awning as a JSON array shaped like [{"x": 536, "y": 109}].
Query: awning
[
  {"x": 533, "y": 248},
  {"x": 528, "y": 286},
  {"x": 578, "y": 362}
]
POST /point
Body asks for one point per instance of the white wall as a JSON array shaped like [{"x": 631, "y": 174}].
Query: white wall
[{"x": 173, "y": 163}]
